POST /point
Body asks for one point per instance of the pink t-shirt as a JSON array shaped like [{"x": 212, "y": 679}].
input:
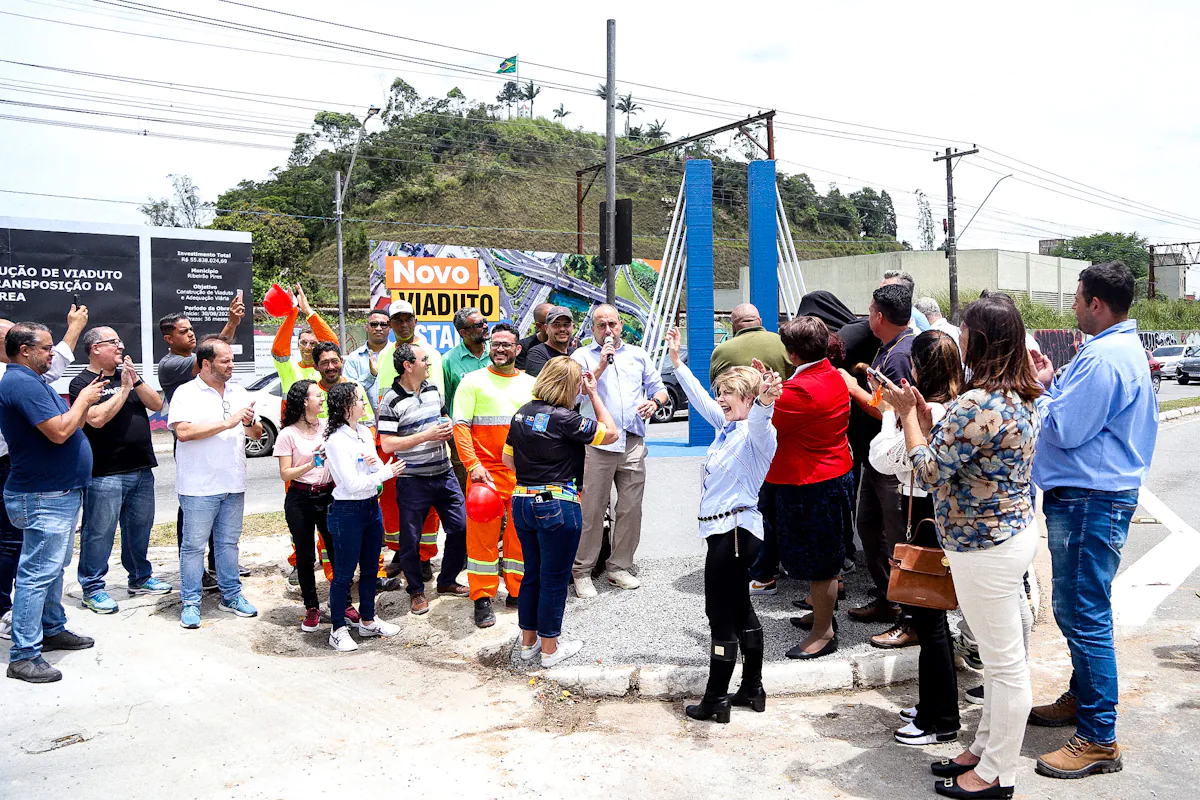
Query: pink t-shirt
[{"x": 297, "y": 444}]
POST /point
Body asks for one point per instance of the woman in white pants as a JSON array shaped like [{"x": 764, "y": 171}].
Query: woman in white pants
[{"x": 978, "y": 461}]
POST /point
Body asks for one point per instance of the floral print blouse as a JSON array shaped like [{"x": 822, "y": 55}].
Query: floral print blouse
[{"x": 978, "y": 464}]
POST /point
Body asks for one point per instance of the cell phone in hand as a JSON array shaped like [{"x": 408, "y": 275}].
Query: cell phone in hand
[{"x": 881, "y": 379}]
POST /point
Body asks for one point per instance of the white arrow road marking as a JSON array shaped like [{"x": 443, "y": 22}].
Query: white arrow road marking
[{"x": 1150, "y": 580}]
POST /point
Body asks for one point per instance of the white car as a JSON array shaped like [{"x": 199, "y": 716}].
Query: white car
[
  {"x": 267, "y": 394},
  {"x": 1169, "y": 355}
]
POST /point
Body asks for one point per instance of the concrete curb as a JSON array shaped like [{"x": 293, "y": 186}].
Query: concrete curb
[
  {"x": 666, "y": 681},
  {"x": 1177, "y": 413}
]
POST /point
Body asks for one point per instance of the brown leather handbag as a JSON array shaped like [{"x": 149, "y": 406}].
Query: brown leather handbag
[{"x": 920, "y": 575}]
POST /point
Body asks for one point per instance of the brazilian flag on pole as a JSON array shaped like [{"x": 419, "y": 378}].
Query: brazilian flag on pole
[{"x": 507, "y": 65}]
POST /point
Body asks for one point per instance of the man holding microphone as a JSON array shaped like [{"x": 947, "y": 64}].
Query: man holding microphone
[{"x": 632, "y": 389}]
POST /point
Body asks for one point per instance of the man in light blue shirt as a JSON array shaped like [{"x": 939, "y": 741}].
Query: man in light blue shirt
[
  {"x": 362, "y": 365},
  {"x": 632, "y": 389},
  {"x": 1099, "y": 424}
]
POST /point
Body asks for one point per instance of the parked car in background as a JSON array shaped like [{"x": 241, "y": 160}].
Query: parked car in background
[
  {"x": 267, "y": 394},
  {"x": 1156, "y": 370},
  {"x": 1169, "y": 355},
  {"x": 1188, "y": 368}
]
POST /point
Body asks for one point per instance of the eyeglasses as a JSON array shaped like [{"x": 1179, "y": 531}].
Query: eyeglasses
[
  {"x": 503, "y": 345},
  {"x": 115, "y": 340},
  {"x": 225, "y": 409},
  {"x": 377, "y": 325}
]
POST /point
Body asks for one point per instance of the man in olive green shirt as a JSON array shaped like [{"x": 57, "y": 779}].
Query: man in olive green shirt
[
  {"x": 750, "y": 341},
  {"x": 470, "y": 354}
]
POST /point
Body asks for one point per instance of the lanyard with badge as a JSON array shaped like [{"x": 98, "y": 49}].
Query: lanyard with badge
[{"x": 877, "y": 397}]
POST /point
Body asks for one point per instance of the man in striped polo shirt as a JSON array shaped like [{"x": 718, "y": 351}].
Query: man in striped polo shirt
[
  {"x": 484, "y": 405},
  {"x": 414, "y": 425}
]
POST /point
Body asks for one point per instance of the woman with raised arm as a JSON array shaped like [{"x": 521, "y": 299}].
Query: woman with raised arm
[
  {"x": 354, "y": 519},
  {"x": 730, "y": 523}
]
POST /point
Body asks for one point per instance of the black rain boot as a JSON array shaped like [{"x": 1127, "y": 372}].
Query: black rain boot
[
  {"x": 715, "y": 704},
  {"x": 751, "y": 692}
]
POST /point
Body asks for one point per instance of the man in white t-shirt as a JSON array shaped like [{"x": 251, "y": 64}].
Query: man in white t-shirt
[{"x": 211, "y": 418}]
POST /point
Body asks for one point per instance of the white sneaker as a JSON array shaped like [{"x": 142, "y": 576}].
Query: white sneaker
[
  {"x": 528, "y": 652},
  {"x": 6, "y": 625},
  {"x": 911, "y": 735},
  {"x": 339, "y": 639},
  {"x": 622, "y": 579},
  {"x": 565, "y": 650},
  {"x": 908, "y": 714},
  {"x": 378, "y": 628},
  {"x": 763, "y": 589},
  {"x": 584, "y": 587}
]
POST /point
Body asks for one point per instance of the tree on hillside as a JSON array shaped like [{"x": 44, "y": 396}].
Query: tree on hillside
[
  {"x": 402, "y": 101},
  {"x": 1127, "y": 247},
  {"x": 338, "y": 129},
  {"x": 529, "y": 92},
  {"x": 928, "y": 236},
  {"x": 184, "y": 210},
  {"x": 303, "y": 150},
  {"x": 875, "y": 211},
  {"x": 279, "y": 246},
  {"x": 560, "y": 112},
  {"x": 602, "y": 92},
  {"x": 627, "y": 107},
  {"x": 657, "y": 130},
  {"x": 509, "y": 95},
  {"x": 837, "y": 209}
]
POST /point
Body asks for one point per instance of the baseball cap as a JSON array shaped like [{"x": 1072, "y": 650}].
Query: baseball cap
[
  {"x": 559, "y": 311},
  {"x": 401, "y": 307}
]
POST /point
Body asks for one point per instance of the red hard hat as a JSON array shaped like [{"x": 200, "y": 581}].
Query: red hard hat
[{"x": 483, "y": 503}]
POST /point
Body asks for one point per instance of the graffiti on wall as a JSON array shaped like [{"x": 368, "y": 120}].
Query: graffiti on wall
[{"x": 1062, "y": 345}]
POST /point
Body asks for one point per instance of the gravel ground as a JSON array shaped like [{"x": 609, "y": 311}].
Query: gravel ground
[{"x": 663, "y": 622}]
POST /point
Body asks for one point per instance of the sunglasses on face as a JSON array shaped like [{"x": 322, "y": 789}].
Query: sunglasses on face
[
  {"x": 481, "y": 324},
  {"x": 377, "y": 325}
]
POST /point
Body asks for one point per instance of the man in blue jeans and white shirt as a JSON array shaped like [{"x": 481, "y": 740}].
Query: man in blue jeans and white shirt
[
  {"x": 122, "y": 489},
  {"x": 10, "y": 535},
  {"x": 51, "y": 465},
  {"x": 211, "y": 418},
  {"x": 1099, "y": 423}
]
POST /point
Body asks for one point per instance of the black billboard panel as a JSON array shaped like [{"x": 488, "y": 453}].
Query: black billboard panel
[
  {"x": 42, "y": 272},
  {"x": 200, "y": 279}
]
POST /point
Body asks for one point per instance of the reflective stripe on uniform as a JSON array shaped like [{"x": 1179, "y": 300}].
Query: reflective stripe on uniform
[
  {"x": 429, "y": 537},
  {"x": 490, "y": 421},
  {"x": 392, "y": 539},
  {"x": 477, "y": 567},
  {"x": 514, "y": 567}
]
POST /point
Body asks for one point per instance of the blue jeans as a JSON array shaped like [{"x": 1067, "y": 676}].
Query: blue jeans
[
  {"x": 10, "y": 545},
  {"x": 129, "y": 500},
  {"x": 220, "y": 515},
  {"x": 1086, "y": 531},
  {"x": 356, "y": 527},
  {"x": 47, "y": 520},
  {"x": 415, "y": 495},
  {"x": 549, "y": 532}
]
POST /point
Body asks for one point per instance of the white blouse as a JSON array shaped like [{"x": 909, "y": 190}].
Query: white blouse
[{"x": 346, "y": 454}]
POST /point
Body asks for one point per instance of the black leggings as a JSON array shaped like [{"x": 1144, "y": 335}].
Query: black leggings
[
  {"x": 937, "y": 681},
  {"x": 727, "y": 584},
  {"x": 304, "y": 511}
]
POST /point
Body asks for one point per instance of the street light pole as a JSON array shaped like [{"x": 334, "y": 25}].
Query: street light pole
[
  {"x": 339, "y": 193},
  {"x": 980, "y": 206}
]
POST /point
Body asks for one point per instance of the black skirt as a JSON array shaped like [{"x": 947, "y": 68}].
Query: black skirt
[{"x": 811, "y": 525}]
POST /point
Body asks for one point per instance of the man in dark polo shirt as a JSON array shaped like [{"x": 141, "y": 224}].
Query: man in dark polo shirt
[
  {"x": 880, "y": 515},
  {"x": 414, "y": 424},
  {"x": 123, "y": 462},
  {"x": 560, "y": 340},
  {"x": 51, "y": 466}
]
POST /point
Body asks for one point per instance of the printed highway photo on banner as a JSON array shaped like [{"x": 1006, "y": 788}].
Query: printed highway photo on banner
[{"x": 504, "y": 285}]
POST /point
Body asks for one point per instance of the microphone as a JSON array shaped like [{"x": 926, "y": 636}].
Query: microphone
[{"x": 607, "y": 341}]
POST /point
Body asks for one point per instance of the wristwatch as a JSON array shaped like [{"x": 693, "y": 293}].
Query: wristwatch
[{"x": 657, "y": 402}]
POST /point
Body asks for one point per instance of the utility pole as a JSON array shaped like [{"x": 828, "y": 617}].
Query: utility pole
[
  {"x": 1151, "y": 282},
  {"x": 339, "y": 193},
  {"x": 951, "y": 243},
  {"x": 610, "y": 166}
]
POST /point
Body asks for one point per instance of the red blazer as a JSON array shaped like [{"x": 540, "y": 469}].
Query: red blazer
[{"x": 811, "y": 417}]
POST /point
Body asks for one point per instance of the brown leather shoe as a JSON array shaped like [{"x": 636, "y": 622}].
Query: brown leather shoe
[
  {"x": 457, "y": 590},
  {"x": 876, "y": 611},
  {"x": 1078, "y": 759},
  {"x": 1058, "y": 714},
  {"x": 898, "y": 636},
  {"x": 417, "y": 603}
]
